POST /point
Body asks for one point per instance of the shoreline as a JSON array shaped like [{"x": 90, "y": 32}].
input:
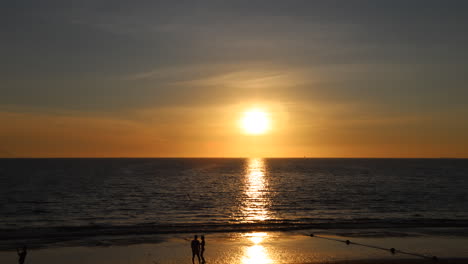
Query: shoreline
[
  {"x": 260, "y": 247},
  {"x": 49, "y": 236}
]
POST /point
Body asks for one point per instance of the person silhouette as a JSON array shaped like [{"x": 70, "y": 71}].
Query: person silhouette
[
  {"x": 195, "y": 249},
  {"x": 22, "y": 255},
  {"x": 202, "y": 248}
]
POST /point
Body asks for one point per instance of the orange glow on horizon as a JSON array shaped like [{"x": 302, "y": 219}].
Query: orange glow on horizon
[{"x": 214, "y": 132}]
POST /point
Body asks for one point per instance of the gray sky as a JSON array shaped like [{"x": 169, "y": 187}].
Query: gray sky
[{"x": 354, "y": 60}]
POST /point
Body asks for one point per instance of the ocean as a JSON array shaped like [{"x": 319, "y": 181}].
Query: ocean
[{"x": 49, "y": 201}]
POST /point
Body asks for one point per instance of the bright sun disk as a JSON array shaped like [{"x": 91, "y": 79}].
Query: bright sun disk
[{"x": 255, "y": 121}]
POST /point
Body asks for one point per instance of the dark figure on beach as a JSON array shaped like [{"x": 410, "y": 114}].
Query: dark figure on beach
[
  {"x": 21, "y": 255},
  {"x": 195, "y": 249},
  {"x": 202, "y": 248}
]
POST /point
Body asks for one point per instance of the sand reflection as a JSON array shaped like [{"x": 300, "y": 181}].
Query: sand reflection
[
  {"x": 256, "y": 254},
  {"x": 256, "y": 187}
]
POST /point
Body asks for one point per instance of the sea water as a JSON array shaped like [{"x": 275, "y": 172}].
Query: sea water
[{"x": 78, "y": 198}]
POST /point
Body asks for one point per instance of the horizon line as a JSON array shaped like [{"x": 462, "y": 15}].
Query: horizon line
[{"x": 233, "y": 157}]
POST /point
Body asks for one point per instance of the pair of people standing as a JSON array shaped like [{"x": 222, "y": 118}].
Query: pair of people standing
[
  {"x": 198, "y": 248},
  {"x": 22, "y": 254}
]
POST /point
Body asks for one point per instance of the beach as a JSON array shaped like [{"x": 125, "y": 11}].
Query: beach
[{"x": 252, "y": 248}]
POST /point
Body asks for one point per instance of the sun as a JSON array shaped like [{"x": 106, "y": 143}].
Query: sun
[{"x": 255, "y": 121}]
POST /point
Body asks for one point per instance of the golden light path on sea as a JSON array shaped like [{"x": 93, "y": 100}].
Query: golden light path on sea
[{"x": 256, "y": 204}]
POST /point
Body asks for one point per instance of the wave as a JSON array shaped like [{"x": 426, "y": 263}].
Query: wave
[{"x": 89, "y": 235}]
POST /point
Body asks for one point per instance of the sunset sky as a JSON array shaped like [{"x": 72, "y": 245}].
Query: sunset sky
[{"x": 174, "y": 78}]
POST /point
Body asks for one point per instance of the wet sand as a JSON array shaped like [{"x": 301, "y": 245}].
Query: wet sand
[{"x": 255, "y": 248}]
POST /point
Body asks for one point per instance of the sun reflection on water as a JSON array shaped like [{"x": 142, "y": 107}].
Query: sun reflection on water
[
  {"x": 256, "y": 254},
  {"x": 256, "y": 238},
  {"x": 256, "y": 204},
  {"x": 256, "y": 208}
]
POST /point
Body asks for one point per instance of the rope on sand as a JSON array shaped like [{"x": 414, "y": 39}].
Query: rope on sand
[{"x": 392, "y": 250}]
